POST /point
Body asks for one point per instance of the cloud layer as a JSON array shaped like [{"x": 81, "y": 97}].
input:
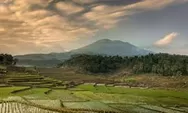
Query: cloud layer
[{"x": 28, "y": 26}]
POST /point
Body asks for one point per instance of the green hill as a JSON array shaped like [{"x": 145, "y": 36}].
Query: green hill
[{"x": 163, "y": 64}]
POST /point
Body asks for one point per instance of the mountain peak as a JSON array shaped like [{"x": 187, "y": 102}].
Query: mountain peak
[
  {"x": 111, "y": 41},
  {"x": 104, "y": 41},
  {"x": 112, "y": 47}
]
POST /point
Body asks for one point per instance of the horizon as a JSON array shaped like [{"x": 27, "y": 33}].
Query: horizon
[
  {"x": 51, "y": 26},
  {"x": 78, "y": 48},
  {"x": 97, "y": 41}
]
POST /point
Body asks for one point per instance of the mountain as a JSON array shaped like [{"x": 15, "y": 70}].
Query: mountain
[
  {"x": 42, "y": 60},
  {"x": 101, "y": 47},
  {"x": 112, "y": 48}
]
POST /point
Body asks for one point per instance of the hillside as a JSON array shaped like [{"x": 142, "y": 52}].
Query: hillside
[
  {"x": 162, "y": 64},
  {"x": 42, "y": 60},
  {"x": 101, "y": 47}
]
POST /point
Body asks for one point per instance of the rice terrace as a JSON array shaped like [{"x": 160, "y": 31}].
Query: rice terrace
[{"x": 40, "y": 91}]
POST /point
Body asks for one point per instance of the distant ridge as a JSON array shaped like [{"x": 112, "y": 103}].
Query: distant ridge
[{"x": 101, "y": 47}]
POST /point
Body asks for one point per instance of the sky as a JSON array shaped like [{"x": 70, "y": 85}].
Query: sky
[{"x": 45, "y": 26}]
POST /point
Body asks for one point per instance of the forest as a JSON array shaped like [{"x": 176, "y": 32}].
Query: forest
[
  {"x": 7, "y": 59},
  {"x": 162, "y": 64}
]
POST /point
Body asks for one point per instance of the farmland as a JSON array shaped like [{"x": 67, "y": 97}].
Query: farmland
[
  {"x": 99, "y": 98},
  {"x": 60, "y": 90}
]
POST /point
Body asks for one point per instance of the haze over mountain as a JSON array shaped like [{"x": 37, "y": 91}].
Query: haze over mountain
[
  {"x": 102, "y": 47},
  {"x": 112, "y": 48}
]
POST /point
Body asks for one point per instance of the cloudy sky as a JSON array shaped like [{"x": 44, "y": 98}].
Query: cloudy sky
[{"x": 43, "y": 26}]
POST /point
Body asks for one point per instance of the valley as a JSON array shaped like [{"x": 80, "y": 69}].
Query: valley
[
  {"x": 86, "y": 80},
  {"x": 55, "y": 90}
]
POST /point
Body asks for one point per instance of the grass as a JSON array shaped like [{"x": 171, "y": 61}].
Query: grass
[
  {"x": 152, "y": 80},
  {"x": 34, "y": 93},
  {"x": 104, "y": 94},
  {"x": 103, "y": 98},
  {"x": 88, "y": 105},
  {"x": 6, "y": 91},
  {"x": 135, "y": 91},
  {"x": 64, "y": 95},
  {"x": 2, "y": 67},
  {"x": 48, "y": 103},
  {"x": 23, "y": 79},
  {"x": 89, "y": 97},
  {"x": 151, "y": 96},
  {"x": 111, "y": 98},
  {"x": 71, "y": 75},
  {"x": 128, "y": 108}
]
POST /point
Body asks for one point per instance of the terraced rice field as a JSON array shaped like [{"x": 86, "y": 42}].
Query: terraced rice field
[
  {"x": 87, "y": 98},
  {"x": 24, "y": 93},
  {"x": 13, "y": 107},
  {"x": 29, "y": 80}
]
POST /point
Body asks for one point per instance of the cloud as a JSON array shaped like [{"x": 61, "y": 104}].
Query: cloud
[
  {"x": 168, "y": 39},
  {"x": 2, "y": 30},
  {"x": 107, "y": 16},
  {"x": 84, "y": 1},
  {"x": 40, "y": 24},
  {"x": 153, "y": 4},
  {"x": 68, "y": 7}
]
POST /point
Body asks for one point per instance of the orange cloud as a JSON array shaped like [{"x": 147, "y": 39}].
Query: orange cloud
[
  {"x": 68, "y": 7},
  {"x": 168, "y": 39}
]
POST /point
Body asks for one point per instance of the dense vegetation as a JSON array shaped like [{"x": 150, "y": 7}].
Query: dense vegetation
[
  {"x": 163, "y": 64},
  {"x": 6, "y": 59}
]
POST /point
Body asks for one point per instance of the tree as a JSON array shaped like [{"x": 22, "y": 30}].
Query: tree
[
  {"x": 15, "y": 61},
  {"x": 154, "y": 69},
  {"x": 163, "y": 64},
  {"x": 6, "y": 59},
  {"x": 179, "y": 73}
]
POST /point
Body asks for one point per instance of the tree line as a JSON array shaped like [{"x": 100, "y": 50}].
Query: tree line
[
  {"x": 7, "y": 59},
  {"x": 162, "y": 64}
]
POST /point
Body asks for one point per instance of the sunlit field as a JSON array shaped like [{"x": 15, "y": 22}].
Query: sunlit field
[{"x": 93, "y": 98}]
